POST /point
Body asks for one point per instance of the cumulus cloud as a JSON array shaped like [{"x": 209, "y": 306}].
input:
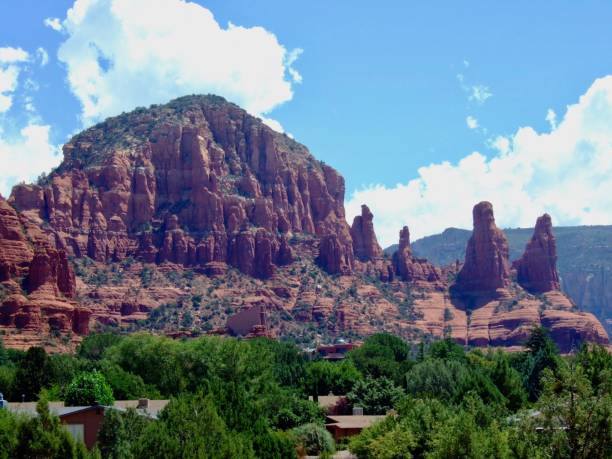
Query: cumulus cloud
[
  {"x": 53, "y": 23},
  {"x": 118, "y": 58},
  {"x": 28, "y": 153},
  {"x": 566, "y": 172},
  {"x": 26, "y": 149},
  {"x": 472, "y": 123},
  {"x": 10, "y": 55},
  {"x": 11, "y": 62}
]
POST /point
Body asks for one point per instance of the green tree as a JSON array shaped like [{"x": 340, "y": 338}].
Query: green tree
[
  {"x": 33, "y": 374},
  {"x": 509, "y": 382},
  {"x": 9, "y": 426},
  {"x": 190, "y": 427},
  {"x": 294, "y": 411},
  {"x": 87, "y": 389},
  {"x": 451, "y": 380},
  {"x": 446, "y": 349},
  {"x": 375, "y": 396},
  {"x": 155, "y": 359},
  {"x": 95, "y": 345},
  {"x": 542, "y": 354},
  {"x": 572, "y": 419},
  {"x": 125, "y": 385},
  {"x": 314, "y": 439},
  {"x": 44, "y": 437},
  {"x": 289, "y": 365},
  {"x": 324, "y": 377},
  {"x": 120, "y": 432},
  {"x": 383, "y": 354},
  {"x": 596, "y": 363}
]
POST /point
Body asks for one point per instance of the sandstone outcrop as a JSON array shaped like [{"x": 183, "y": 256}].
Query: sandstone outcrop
[
  {"x": 365, "y": 244},
  {"x": 192, "y": 176},
  {"x": 178, "y": 216},
  {"x": 537, "y": 268},
  {"x": 486, "y": 266},
  {"x": 409, "y": 268},
  {"x": 42, "y": 303}
]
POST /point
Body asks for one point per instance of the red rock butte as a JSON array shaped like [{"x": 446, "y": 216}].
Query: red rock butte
[{"x": 176, "y": 217}]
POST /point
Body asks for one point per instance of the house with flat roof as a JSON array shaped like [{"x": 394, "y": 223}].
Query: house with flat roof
[
  {"x": 84, "y": 422},
  {"x": 347, "y": 426}
]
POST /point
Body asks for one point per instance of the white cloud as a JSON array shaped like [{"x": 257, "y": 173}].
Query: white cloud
[
  {"x": 11, "y": 62},
  {"x": 480, "y": 93},
  {"x": 53, "y": 23},
  {"x": 566, "y": 172},
  {"x": 9, "y": 55},
  {"x": 28, "y": 154},
  {"x": 551, "y": 117},
  {"x": 118, "y": 58},
  {"x": 43, "y": 56},
  {"x": 472, "y": 123}
]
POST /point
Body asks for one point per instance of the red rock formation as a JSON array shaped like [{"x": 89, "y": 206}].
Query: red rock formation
[
  {"x": 365, "y": 245},
  {"x": 537, "y": 268},
  {"x": 334, "y": 256},
  {"x": 195, "y": 172},
  {"x": 412, "y": 269},
  {"x": 199, "y": 184},
  {"x": 486, "y": 266},
  {"x": 15, "y": 252},
  {"x": 49, "y": 286}
]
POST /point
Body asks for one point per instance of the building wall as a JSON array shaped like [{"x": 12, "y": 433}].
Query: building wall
[
  {"x": 92, "y": 422},
  {"x": 240, "y": 324}
]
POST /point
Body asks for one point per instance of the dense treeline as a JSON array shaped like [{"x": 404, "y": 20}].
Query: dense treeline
[{"x": 243, "y": 399}]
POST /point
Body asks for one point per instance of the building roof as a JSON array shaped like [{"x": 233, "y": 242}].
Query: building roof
[
  {"x": 152, "y": 409},
  {"x": 353, "y": 422}
]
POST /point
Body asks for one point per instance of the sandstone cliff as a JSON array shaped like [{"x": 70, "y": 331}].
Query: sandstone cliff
[
  {"x": 176, "y": 217},
  {"x": 37, "y": 287},
  {"x": 194, "y": 182}
]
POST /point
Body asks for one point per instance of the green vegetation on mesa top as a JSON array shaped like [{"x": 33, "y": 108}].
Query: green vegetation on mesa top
[
  {"x": 249, "y": 399},
  {"x": 129, "y": 130}
]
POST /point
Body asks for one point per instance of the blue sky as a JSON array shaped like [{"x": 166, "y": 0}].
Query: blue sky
[{"x": 378, "y": 91}]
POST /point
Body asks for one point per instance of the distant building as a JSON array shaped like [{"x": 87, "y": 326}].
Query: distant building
[
  {"x": 347, "y": 426},
  {"x": 249, "y": 322},
  {"x": 84, "y": 422},
  {"x": 335, "y": 351}
]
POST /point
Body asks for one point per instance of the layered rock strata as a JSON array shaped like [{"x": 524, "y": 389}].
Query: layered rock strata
[
  {"x": 536, "y": 270},
  {"x": 365, "y": 244},
  {"x": 486, "y": 266},
  {"x": 195, "y": 182}
]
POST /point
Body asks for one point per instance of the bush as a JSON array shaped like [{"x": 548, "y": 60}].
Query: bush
[
  {"x": 314, "y": 438},
  {"x": 87, "y": 389},
  {"x": 375, "y": 396}
]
